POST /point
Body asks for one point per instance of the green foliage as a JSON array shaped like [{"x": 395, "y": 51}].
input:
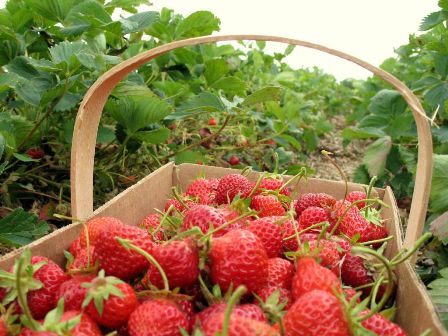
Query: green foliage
[{"x": 438, "y": 290}]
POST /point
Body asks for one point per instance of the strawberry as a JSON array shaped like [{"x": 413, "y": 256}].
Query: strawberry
[
  {"x": 238, "y": 258},
  {"x": 349, "y": 293},
  {"x": 231, "y": 185},
  {"x": 234, "y": 160},
  {"x": 73, "y": 292},
  {"x": 247, "y": 310},
  {"x": 180, "y": 261},
  {"x": 269, "y": 232},
  {"x": 285, "y": 297},
  {"x": 93, "y": 228},
  {"x": 82, "y": 260},
  {"x": 177, "y": 205},
  {"x": 75, "y": 247},
  {"x": 36, "y": 153},
  {"x": 312, "y": 215},
  {"x": 382, "y": 326},
  {"x": 316, "y": 313},
  {"x": 114, "y": 258},
  {"x": 321, "y": 200},
  {"x": 150, "y": 223},
  {"x": 238, "y": 326},
  {"x": 357, "y": 196},
  {"x": 109, "y": 301},
  {"x": 187, "y": 308},
  {"x": 267, "y": 205},
  {"x": 41, "y": 301},
  {"x": 202, "y": 189},
  {"x": 85, "y": 327},
  {"x": 280, "y": 273},
  {"x": 310, "y": 275},
  {"x": 287, "y": 227},
  {"x": 355, "y": 272},
  {"x": 231, "y": 214},
  {"x": 3, "y": 327},
  {"x": 328, "y": 254},
  {"x": 157, "y": 317},
  {"x": 203, "y": 216},
  {"x": 212, "y": 121},
  {"x": 273, "y": 184},
  {"x": 353, "y": 223}
]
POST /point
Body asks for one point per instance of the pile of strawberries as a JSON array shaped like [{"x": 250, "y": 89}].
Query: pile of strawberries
[{"x": 227, "y": 257}]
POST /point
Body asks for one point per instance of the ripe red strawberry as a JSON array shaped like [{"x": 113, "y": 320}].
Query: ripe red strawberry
[
  {"x": 321, "y": 200},
  {"x": 93, "y": 228},
  {"x": 180, "y": 261},
  {"x": 328, "y": 254},
  {"x": 382, "y": 326},
  {"x": 202, "y": 189},
  {"x": 3, "y": 327},
  {"x": 310, "y": 275},
  {"x": 231, "y": 214},
  {"x": 157, "y": 317},
  {"x": 231, "y": 185},
  {"x": 73, "y": 292},
  {"x": 280, "y": 273},
  {"x": 238, "y": 326},
  {"x": 187, "y": 308},
  {"x": 177, "y": 205},
  {"x": 267, "y": 205},
  {"x": 312, "y": 215},
  {"x": 82, "y": 260},
  {"x": 357, "y": 196},
  {"x": 75, "y": 247},
  {"x": 316, "y": 313},
  {"x": 203, "y": 216},
  {"x": 355, "y": 272},
  {"x": 354, "y": 223},
  {"x": 269, "y": 233},
  {"x": 41, "y": 301},
  {"x": 238, "y": 258},
  {"x": 285, "y": 296},
  {"x": 109, "y": 301},
  {"x": 86, "y": 326},
  {"x": 150, "y": 223},
  {"x": 234, "y": 160},
  {"x": 247, "y": 310},
  {"x": 287, "y": 227},
  {"x": 273, "y": 184},
  {"x": 212, "y": 121},
  {"x": 349, "y": 293},
  {"x": 36, "y": 153},
  {"x": 114, "y": 258}
]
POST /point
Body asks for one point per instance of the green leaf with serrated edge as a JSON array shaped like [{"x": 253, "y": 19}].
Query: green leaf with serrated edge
[
  {"x": 364, "y": 133},
  {"x": 138, "y": 22},
  {"x": 21, "y": 228},
  {"x": 433, "y": 19},
  {"x": 376, "y": 154},
  {"x": 268, "y": 93},
  {"x": 189, "y": 156},
  {"x": 439, "y": 184},
  {"x": 387, "y": 102},
  {"x": 437, "y": 96},
  {"x": 440, "y": 297},
  {"x": 127, "y": 5},
  {"x": 231, "y": 85},
  {"x": 197, "y": 24},
  {"x": 54, "y": 10},
  {"x": 24, "y": 157},
  {"x": 202, "y": 103},
  {"x": 215, "y": 69},
  {"x": 64, "y": 51},
  {"x": 291, "y": 140},
  {"x": 155, "y": 137},
  {"x": 135, "y": 113}
]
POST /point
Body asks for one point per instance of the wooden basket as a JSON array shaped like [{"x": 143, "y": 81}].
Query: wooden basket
[{"x": 415, "y": 312}]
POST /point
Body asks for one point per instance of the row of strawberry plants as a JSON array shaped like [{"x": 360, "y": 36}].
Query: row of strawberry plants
[{"x": 211, "y": 104}]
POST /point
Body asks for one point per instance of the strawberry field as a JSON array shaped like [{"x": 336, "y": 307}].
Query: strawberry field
[{"x": 227, "y": 105}]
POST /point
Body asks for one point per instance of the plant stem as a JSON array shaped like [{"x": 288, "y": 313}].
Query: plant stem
[{"x": 228, "y": 313}]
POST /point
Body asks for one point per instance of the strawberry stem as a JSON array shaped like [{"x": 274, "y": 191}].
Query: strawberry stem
[
  {"x": 302, "y": 173},
  {"x": 232, "y": 302},
  {"x": 162, "y": 221},
  {"x": 178, "y": 197},
  {"x": 193, "y": 231},
  {"x": 257, "y": 184},
  {"x": 390, "y": 282},
  {"x": 22, "y": 266},
  {"x": 126, "y": 243},
  {"x": 407, "y": 254},
  {"x": 369, "y": 191},
  {"x": 334, "y": 163},
  {"x": 376, "y": 241},
  {"x": 309, "y": 228}
]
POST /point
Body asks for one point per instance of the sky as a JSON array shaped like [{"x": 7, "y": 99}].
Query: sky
[{"x": 367, "y": 29}]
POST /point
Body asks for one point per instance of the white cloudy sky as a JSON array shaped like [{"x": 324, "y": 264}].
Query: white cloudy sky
[{"x": 367, "y": 29}]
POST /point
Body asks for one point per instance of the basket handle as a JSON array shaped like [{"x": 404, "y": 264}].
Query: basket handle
[{"x": 89, "y": 113}]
